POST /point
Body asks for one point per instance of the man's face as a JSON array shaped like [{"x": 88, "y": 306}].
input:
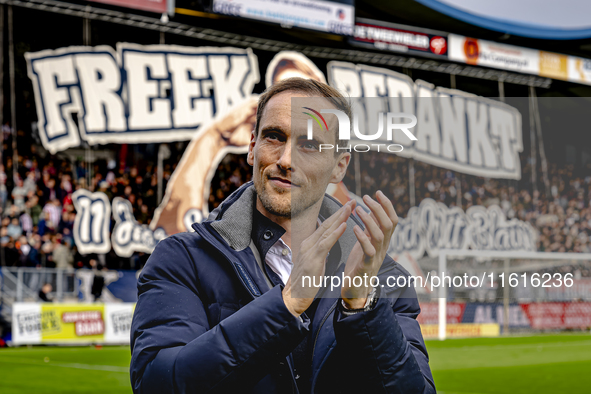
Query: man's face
[{"x": 290, "y": 173}]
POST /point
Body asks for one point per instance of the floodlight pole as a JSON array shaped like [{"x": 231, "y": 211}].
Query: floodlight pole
[
  {"x": 538, "y": 126},
  {"x": 1, "y": 86},
  {"x": 458, "y": 190},
  {"x": 506, "y": 290},
  {"x": 411, "y": 182},
  {"x": 86, "y": 33},
  {"x": 411, "y": 161},
  {"x": 501, "y": 90},
  {"x": 11, "y": 72},
  {"x": 532, "y": 138},
  {"x": 161, "y": 148},
  {"x": 442, "y": 297},
  {"x": 2, "y": 109},
  {"x": 160, "y": 171}
]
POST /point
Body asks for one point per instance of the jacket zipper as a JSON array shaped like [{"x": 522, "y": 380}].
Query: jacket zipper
[
  {"x": 246, "y": 279},
  {"x": 332, "y": 308}
]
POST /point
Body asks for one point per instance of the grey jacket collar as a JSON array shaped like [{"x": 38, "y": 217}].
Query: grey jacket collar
[{"x": 234, "y": 222}]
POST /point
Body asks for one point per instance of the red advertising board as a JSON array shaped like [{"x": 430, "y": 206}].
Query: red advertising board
[
  {"x": 534, "y": 315},
  {"x": 159, "y": 6},
  {"x": 398, "y": 38},
  {"x": 558, "y": 315},
  {"x": 430, "y": 313}
]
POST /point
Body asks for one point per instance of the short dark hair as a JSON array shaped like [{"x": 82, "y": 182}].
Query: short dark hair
[{"x": 310, "y": 87}]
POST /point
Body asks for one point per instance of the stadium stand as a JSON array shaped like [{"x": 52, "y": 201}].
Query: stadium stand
[{"x": 38, "y": 214}]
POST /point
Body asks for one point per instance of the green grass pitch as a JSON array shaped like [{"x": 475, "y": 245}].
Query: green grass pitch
[
  {"x": 541, "y": 364},
  {"x": 514, "y": 365}
]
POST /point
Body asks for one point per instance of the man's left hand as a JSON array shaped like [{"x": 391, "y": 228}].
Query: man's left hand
[{"x": 369, "y": 251}]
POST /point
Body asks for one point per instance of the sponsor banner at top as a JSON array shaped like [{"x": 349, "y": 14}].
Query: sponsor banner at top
[
  {"x": 579, "y": 70},
  {"x": 160, "y": 6},
  {"x": 513, "y": 58},
  {"x": 326, "y": 16},
  {"x": 492, "y": 54},
  {"x": 398, "y": 38}
]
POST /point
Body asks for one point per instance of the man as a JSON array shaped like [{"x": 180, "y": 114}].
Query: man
[
  {"x": 62, "y": 255},
  {"x": 224, "y": 310},
  {"x": 44, "y": 291},
  {"x": 18, "y": 194},
  {"x": 184, "y": 202}
]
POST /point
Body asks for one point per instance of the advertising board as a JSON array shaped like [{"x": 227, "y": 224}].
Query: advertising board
[
  {"x": 49, "y": 323},
  {"x": 374, "y": 34},
  {"x": 328, "y": 16}
]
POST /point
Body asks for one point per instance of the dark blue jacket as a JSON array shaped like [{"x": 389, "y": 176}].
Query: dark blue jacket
[{"x": 207, "y": 320}]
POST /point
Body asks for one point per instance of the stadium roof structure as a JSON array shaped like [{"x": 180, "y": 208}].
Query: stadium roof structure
[
  {"x": 194, "y": 19},
  {"x": 568, "y": 33},
  {"x": 463, "y": 17},
  {"x": 550, "y": 20},
  {"x": 300, "y": 41}
]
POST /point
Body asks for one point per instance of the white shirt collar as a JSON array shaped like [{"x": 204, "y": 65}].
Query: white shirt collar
[{"x": 279, "y": 259}]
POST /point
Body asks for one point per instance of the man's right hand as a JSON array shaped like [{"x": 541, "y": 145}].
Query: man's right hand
[{"x": 298, "y": 295}]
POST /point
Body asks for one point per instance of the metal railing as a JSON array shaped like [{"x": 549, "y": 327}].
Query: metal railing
[{"x": 22, "y": 284}]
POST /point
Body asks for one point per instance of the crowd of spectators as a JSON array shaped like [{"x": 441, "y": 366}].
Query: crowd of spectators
[
  {"x": 37, "y": 213},
  {"x": 561, "y": 213},
  {"x": 232, "y": 172}
]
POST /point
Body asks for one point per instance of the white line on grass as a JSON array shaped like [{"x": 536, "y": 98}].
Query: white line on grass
[
  {"x": 457, "y": 392},
  {"x": 29, "y": 361},
  {"x": 64, "y": 349},
  {"x": 519, "y": 346}
]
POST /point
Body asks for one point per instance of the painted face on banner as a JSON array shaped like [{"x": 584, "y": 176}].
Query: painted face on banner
[{"x": 290, "y": 173}]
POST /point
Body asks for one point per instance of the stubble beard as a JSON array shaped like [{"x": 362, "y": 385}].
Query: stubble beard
[
  {"x": 274, "y": 204},
  {"x": 281, "y": 204}
]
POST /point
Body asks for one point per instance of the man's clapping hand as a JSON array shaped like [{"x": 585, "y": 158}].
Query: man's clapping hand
[
  {"x": 311, "y": 260},
  {"x": 369, "y": 251}
]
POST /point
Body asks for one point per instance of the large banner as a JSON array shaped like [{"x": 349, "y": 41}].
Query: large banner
[
  {"x": 433, "y": 226},
  {"x": 138, "y": 94},
  {"x": 169, "y": 93},
  {"x": 454, "y": 129},
  {"x": 428, "y": 228},
  {"x": 48, "y": 323}
]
